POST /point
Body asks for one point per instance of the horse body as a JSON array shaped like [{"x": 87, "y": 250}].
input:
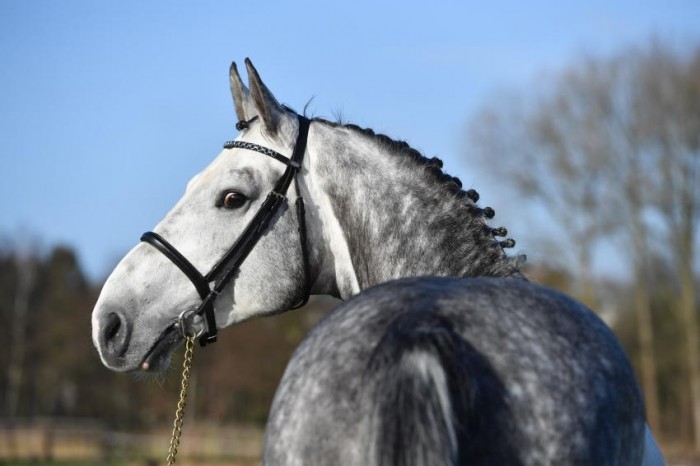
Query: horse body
[
  {"x": 417, "y": 371},
  {"x": 527, "y": 376}
]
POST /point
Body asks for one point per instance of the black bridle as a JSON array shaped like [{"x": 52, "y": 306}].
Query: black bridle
[{"x": 227, "y": 267}]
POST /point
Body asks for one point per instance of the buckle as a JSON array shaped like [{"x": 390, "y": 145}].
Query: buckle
[{"x": 187, "y": 324}]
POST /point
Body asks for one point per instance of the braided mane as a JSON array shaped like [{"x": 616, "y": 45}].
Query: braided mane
[{"x": 452, "y": 185}]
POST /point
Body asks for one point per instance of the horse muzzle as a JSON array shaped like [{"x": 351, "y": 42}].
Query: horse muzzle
[{"x": 113, "y": 338}]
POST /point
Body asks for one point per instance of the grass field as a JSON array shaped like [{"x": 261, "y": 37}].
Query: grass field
[
  {"x": 81, "y": 444},
  {"x": 50, "y": 443}
]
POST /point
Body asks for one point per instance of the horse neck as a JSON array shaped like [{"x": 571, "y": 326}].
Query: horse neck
[{"x": 383, "y": 215}]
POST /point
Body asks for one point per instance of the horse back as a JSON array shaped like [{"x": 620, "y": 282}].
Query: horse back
[{"x": 457, "y": 371}]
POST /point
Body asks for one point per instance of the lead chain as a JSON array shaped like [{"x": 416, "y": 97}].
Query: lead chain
[{"x": 180, "y": 411}]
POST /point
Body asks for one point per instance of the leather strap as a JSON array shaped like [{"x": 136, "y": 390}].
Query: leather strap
[
  {"x": 301, "y": 216},
  {"x": 263, "y": 150},
  {"x": 169, "y": 251},
  {"x": 298, "y": 156}
]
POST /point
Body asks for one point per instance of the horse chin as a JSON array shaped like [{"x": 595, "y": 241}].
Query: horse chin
[{"x": 157, "y": 359}]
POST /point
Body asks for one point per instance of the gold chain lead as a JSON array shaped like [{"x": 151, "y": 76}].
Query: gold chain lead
[{"x": 180, "y": 411}]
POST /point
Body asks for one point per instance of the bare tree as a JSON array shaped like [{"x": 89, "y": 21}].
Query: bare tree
[
  {"x": 533, "y": 150},
  {"x": 668, "y": 121},
  {"x": 611, "y": 146}
]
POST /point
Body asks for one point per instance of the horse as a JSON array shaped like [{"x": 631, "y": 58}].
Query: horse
[{"x": 442, "y": 352}]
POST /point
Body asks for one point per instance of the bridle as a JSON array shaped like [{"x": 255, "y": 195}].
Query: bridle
[{"x": 226, "y": 268}]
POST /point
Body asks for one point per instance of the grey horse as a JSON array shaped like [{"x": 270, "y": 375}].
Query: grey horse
[
  {"x": 448, "y": 371},
  {"x": 410, "y": 370}
]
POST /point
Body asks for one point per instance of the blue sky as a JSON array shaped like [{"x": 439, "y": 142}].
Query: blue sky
[{"x": 108, "y": 108}]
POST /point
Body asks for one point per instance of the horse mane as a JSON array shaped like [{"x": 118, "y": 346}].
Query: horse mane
[{"x": 451, "y": 184}]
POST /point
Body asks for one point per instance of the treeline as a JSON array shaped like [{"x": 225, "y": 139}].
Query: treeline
[
  {"x": 609, "y": 150},
  {"x": 51, "y": 369},
  {"x": 49, "y": 366}
]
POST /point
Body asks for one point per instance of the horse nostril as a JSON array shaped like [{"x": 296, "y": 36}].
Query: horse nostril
[
  {"x": 115, "y": 334},
  {"x": 112, "y": 326}
]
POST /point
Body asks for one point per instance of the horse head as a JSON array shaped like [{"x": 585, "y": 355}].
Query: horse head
[{"x": 135, "y": 320}]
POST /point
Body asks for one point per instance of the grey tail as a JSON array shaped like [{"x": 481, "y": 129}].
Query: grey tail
[{"x": 427, "y": 383}]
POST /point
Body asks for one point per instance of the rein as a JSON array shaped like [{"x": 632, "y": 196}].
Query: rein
[
  {"x": 226, "y": 268},
  {"x": 180, "y": 411}
]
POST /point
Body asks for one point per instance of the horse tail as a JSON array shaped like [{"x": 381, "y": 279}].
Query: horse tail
[{"x": 421, "y": 392}]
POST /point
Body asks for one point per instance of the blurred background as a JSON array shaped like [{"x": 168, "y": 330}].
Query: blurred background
[{"x": 579, "y": 122}]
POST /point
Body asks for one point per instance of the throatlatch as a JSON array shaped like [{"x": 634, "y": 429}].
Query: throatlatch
[{"x": 227, "y": 267}]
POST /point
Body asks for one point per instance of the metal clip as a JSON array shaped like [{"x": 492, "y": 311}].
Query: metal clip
[{"x": 187, "y": 325}]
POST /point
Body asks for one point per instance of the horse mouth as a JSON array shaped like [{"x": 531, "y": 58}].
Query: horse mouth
[{"x": 158, "y": 356}]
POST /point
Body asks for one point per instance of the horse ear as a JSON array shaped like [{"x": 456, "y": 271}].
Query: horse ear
[
  {"x": 245, "y": 109},
  {"x": 269, "y": 110}
]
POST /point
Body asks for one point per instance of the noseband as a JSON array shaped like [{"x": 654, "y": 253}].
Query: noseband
[{"x": 227, "y": 267}]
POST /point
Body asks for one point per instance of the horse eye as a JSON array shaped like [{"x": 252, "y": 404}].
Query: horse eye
[{"x": 232, "y": 199}]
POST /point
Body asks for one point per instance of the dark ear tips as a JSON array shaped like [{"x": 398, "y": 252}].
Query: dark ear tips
[
  {"x": 267, "y": 107},
  {"x": 241, "y": 96}
]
